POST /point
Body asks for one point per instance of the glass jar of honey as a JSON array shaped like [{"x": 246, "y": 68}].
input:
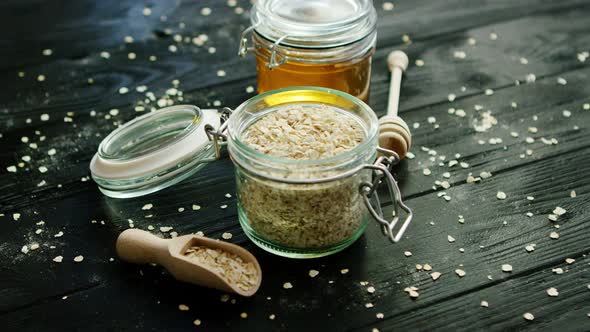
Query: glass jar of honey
[{"x": 325, "y": 43}]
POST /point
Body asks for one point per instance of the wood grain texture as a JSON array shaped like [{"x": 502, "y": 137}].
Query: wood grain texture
[{"x": 104, "y": 295}]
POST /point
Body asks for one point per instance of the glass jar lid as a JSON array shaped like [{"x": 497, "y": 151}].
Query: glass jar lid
[
  {"x": 314, "y": 23},
  {"x": 154, "y": 151}
]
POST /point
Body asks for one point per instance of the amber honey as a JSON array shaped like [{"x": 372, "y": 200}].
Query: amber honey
[
  {"x": 352, "y": 76},
  {"x": 327, "y": 43}
]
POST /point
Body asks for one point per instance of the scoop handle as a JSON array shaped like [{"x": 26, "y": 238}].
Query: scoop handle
[{"x": 141, "y": 247}]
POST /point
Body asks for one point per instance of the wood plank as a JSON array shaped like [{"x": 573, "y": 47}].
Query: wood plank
[
  {"x": 216, "y": 220},
  {"x": 489, "y": 64},
  {"x": 81, "y": 28},
  {"x": 382, "y": 264},
  {"x": 32, "y": 285}
]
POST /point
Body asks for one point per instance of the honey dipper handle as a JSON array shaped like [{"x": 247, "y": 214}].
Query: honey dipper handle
[
  {"x": 141, "y": 247},
  {"x": 397, "y": 62}
]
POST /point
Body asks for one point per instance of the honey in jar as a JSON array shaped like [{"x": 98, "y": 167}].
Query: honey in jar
[{"x": 326, "y": 43}]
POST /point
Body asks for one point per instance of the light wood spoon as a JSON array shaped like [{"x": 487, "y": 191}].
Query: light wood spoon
[
  {"x": 141, "y": 247},
  {"x": 394, "y": 133}
]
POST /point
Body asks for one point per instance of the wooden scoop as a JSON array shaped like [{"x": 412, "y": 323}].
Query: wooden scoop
[
  {"x": 141, "y": 247},
  {"x": 394, "y": 133}
]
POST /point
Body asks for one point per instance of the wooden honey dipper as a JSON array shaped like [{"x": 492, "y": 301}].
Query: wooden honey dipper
[
  {"x": 141, "y": 247},
  {"x": 394, "y": 133}
]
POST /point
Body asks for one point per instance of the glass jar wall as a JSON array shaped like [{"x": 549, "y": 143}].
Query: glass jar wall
[{"x": 302, "y": 208}]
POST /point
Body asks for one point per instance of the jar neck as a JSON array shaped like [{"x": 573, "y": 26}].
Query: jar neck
[{"x": 355, "y": 51}]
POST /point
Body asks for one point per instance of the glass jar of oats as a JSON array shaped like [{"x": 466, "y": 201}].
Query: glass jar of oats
[
  {"x": 307, "y": 165},
  {"x": 327, "y": 43},
  {"x": 305, "y": 169}
]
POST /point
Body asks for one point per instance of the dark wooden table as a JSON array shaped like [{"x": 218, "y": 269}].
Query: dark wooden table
[{"x": 539, "y": 147}]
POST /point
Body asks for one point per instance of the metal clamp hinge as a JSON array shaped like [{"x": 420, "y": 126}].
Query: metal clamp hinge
[
  {"x": 382, "y": 171},
  {"x": 218, "y": 137}
]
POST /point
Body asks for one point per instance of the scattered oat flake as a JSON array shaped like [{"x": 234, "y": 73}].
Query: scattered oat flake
[
  {"x": 559, "y": 211},
  {"x": 552, "y": 292},
  {"x": 165, "y": 229},
  {"x": 435, "y": 275},
  {"x": 196, "y": 207},
  {"x": 450, "y": 239},
  {"x": 183, "y": 307},
  {"x": 24, "y": 249},
  {"x": 244, "y": 315},
  {"x": 506, "y": 267},
  {"x": 573, "y": 194},
  {"x": 371, "y": 289},
  {"x": 570, "y": 260},
  {"x": 426, "y": 171},
  {"x": 78, "y": 258},
  {"x": 484, "y": 304},
  {"x": 226, "y": 236},
  {"x": 554, "y": 235},
  {"x": 528, "y": 316},
  {"x": 501, "y": 195},
  {"x": 16, "y": 216},
  {"x": 147, "y": 206},
  {"x": 407, "y": 253},
  {"x": 561, "y": 81},
  {"x": 388, "y": 6},
  {"x": 419, "y": 63},
  {"x": 287, "y": 285},
  {"x": 344, "y": 271},
  {"x": 460, "y": 272},
  {"x": 313, "y": 273},
  {"x": 197, "y": 322},
  {"x": 221, "y": 73},
  {"x": 205, "y": 11},
  {"x": 566, "y": 113},
  {"x": 530, "y": 248},
  {"x": 58, "y": 259}
]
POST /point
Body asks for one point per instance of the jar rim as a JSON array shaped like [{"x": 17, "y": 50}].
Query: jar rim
[
  {"x": 367, "y": 143},
  {"x": 309, "y": 24}
]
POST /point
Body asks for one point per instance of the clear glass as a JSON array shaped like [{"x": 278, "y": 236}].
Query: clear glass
[
  {"x": 297, "y": 208},
  {"x": 314, "y": 23}
]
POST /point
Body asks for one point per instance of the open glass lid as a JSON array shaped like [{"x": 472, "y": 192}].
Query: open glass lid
[{"x": 156, "y": 150}]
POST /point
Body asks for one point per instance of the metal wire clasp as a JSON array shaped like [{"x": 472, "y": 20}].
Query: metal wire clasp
[
  {"x": 218, "y": 137},
  {"x": 274, "y": 57},
  {"x": 382, "y": 172},
  {"x": 244, "y": 41}
]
